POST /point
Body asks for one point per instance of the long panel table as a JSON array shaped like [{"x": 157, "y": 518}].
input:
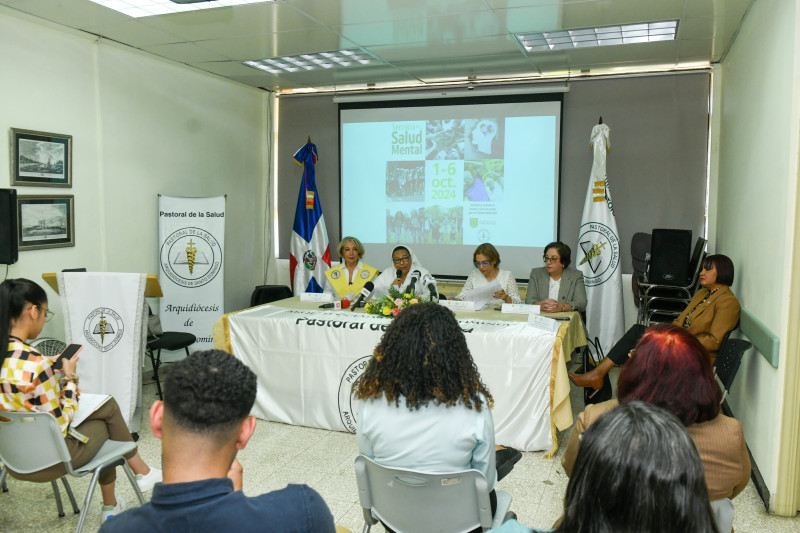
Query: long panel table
[{"x": 307, "y": 360}]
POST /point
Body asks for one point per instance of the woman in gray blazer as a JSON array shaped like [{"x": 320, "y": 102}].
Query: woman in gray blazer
[{"x": 552, "y": 286}]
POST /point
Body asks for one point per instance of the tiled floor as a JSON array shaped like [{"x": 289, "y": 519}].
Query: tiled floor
[{"x": 279, "y": 454}]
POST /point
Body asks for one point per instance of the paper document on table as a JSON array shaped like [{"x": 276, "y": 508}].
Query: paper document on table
[
  {"x": 482, "y": 295},
  {"x": 88, "y": 404}
]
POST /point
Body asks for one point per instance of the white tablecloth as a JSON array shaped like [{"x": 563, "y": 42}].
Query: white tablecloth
[{"x": 306, "y": 361}]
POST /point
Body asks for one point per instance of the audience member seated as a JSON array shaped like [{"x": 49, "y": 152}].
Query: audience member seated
[
  {"x": 202, "y": 423},
  {"x": 671, "y": 369},
  {"x": 423, "y": 405},
  {"x": 404, "y": 262},
  {"x": 487, "y": 260},
  {"x": 346, "y": 279},
  {"x": 712, "y": 313},
  {"x": 637, "y": 470},
  {"x": 28, "y": 382},
  {"x": 553, "y": 287}
]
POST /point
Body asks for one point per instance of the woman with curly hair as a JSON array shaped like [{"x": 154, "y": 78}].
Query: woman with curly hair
[{"x": 423, "y": 403}]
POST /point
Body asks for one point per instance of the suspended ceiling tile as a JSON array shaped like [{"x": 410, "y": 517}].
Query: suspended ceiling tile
[
  {"x": 184, "y": 52},
  {"x": 134, "y": 33},
  {"x": 431, "y": 29},
  {"x": 446, "y": 51},
  {"x": 347, "y": 76},
  {"x": 489, "y": 65},
  {"x": 364, "y": 11},
  {"x": 276, "y": 45},
  {"x": 72, "y": 13},
  {"x": 236, "y": 21},
  {"x": 228, "y": 68}
]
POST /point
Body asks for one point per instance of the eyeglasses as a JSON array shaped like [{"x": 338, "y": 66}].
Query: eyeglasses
[
  {"x": 400, "y": 260},
  {"x": 554, "y": 259},
  {"x": 48, "y": 314},
  {"x": 481, "y": 263}
]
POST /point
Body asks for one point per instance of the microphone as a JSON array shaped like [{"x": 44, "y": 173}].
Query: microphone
[
  {"x": 430, "y": 283},
  {"x": 398, "y": 274},
  {"x": 414, "y": 277},
  {"x": 343, "y": 304},
  {"x": 365, "y": 292}
]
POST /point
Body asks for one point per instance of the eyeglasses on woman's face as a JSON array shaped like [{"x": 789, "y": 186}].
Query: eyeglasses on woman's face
[
  {"x": 48, "y": 314},
  {"x": 401, "y": 260},
  {"x": 552, "y": 259},
  {"x": 479, "y": 264}
]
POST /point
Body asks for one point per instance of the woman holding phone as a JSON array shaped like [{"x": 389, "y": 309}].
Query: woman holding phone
[{"x": 28, "y": 382}]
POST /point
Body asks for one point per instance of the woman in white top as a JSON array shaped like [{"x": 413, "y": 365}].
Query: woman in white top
[
  {"x": 405, "y": 266},
  {"x": 486, "y": 260},
  {"x": 423, "y": 405}
]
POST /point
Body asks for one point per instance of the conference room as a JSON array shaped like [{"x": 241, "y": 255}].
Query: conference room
[{"x": 704, "y": 137}]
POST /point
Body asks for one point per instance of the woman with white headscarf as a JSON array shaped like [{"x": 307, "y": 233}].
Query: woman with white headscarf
[{"x": 405, "y": 267}]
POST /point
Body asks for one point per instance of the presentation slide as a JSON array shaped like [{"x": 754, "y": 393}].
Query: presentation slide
[{"x": 443, "y": 179}]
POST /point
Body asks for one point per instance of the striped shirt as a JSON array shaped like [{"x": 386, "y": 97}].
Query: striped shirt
[{"x": 28, "y": 383}]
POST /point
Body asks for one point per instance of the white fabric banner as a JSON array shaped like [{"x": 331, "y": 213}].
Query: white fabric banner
[
  {"x": 599, "y": 254},
  {"x": 191, "y": 271},
  {"x": 307, "y": 361},
  {"x": 104, "y": 311}
]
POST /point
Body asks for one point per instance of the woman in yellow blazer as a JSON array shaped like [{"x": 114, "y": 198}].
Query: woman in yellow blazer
[
  {"x": 712, "y": 313},
  {"x": 348, "y": 277}
]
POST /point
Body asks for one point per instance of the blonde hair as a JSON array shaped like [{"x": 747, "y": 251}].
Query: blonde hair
[{"x": 359, "y": 246}]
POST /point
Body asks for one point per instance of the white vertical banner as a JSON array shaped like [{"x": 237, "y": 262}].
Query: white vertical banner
[
  {"x": 104, "y": 311},
  {"x": 598, "y": 242},
  {"x": 191, "y": 244}
]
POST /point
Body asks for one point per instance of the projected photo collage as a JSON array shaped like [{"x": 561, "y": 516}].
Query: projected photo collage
[{"x": 463, "y": 164}]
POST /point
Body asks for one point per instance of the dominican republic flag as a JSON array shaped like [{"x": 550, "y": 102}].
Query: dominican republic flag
[
  {"x": 310, "y": 256},
  {"x": 599, "y": 254}
]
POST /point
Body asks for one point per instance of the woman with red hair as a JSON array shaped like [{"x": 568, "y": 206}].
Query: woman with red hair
[{"x": 671, "y": 369}]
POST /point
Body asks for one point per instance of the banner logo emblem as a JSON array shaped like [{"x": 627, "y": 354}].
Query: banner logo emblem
[
  {"x": 103, "y": 328},
  {"x": 310, "y": 259},
  {"x": 347, "y": 407},
  {"x": 191, "y": 257},
  {"x": 600, "y": 246}
]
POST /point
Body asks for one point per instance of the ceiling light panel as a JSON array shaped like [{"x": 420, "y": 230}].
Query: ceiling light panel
[
  {"x": 321, "y": 60},
  {"x": 602, "y": 36},
  {"x": 149, "y": 8}
]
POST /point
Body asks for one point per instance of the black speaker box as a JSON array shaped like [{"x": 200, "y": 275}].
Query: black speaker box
[
  {"x": 670, "y": 251},
  {"x": 8, "y": 227}
]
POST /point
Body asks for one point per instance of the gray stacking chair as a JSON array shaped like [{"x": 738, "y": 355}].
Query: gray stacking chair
[
  {"x": 409, "y": 501},
  {"x": 31, "y": 442}
]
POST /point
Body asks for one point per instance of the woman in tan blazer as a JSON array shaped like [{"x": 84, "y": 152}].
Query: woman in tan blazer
[
  {"x": 712, "y": 313},
  {"x": 671, "y": 369}
]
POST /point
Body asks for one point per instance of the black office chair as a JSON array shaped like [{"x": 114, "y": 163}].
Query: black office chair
[
  {"x": 264, "y": 294},
  {"x": 728, "y": 361},
  {"x": 170, "y": 341}
]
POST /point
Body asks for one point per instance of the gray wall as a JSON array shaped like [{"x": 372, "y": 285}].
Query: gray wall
[{"x": 656, "y": 166}]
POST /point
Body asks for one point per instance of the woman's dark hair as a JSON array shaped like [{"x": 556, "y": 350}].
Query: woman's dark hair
[
  {"x": 489, "y": 251},
  {"x": 638, "y": 471},
  {"x": 563, "y": 251},
  {"x": 671, "y": 369},
  {"x": 423, "y": 357},
  {"x": 15, "y": 295},
  {"x": 724, "y": 267},
  {"x": 401, "y": 248}
]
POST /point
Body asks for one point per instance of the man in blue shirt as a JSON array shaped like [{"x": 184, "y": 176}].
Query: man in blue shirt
[{"x": 202, "y": 423}]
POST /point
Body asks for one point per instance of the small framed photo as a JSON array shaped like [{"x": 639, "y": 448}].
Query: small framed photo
[
  {"x": 45, "y": 221},
  {"x": 40, "y": 159}
]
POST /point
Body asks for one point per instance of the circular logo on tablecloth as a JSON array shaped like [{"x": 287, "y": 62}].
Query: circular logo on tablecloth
[
  {"x": 600, "y": 246},
  {"x": 191, "y": 257},
  {"x": 103, "y": 328},
  {"x": 347, "y": 407}
]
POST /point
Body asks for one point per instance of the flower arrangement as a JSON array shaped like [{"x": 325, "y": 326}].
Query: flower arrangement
[{"x": 391, "y": 304}]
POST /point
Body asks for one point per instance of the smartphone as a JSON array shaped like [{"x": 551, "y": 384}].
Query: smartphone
[{"x": 70, "y": 352}]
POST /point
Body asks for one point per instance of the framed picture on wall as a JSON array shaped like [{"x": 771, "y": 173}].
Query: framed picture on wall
[
  {"x": 40, "y": 159},
  {"x": 45, "y": 221}
]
